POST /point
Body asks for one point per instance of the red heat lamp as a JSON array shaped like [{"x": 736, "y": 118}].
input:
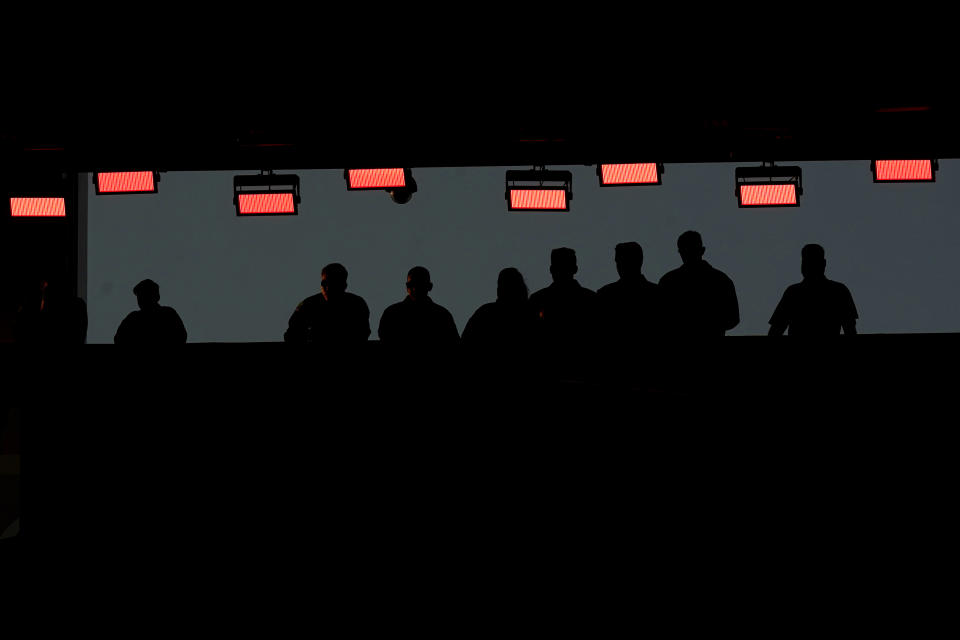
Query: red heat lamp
[
  {"x": 630, "y": 175},
  {"x": 38, "y": 207},
  {"x": 769, "y": 186},
  {"x": 398, "y": 182},
  {"x": 267, "y": 194},
  {"x": 529, "y": 191},
  {"x": 38, "y": 195},
  {"x": 117, "y": 182},
  {"x": 904, "y": 170}
]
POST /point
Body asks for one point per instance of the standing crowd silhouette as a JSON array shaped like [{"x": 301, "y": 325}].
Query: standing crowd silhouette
[{"x": 693, "y": 301}]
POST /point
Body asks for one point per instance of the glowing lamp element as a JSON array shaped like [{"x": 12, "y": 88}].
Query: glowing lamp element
[
  {"x": 769, "y": 186},
  {"x": 768, "y": 195},
  {"x": 376, "y": 178},
  {"x": 38, "y": 207},
  {"x": 539, "y": 190},
  {"x": 538, "y": 200},
  {"x": 267, "y": 194},
  {"x": 904, "y": 170},
  {"x": 258, "y": 204},
  {"x": 630, "y": 174},
  {"x": 126, "y": 182}
]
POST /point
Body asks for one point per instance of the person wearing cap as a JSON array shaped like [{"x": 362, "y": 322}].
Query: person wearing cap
[
  {"x": 152, "y": 323},
  {"x": 333, "y": 316},
  {"x": 417, "y": 320}
]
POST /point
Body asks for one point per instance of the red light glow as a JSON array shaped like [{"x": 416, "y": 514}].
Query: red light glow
[
  {"x": 376, "y": 178},
  {"x": 645, "y": 173},
  {"x": 265, "y": 203},
  {"x": 38, "y": 207},
  {"x": 126, "y": 182},
  {"x": 904, "y": 170},
  {"x": 538, "y": 199},
  {"x": 767, "y": 195}
]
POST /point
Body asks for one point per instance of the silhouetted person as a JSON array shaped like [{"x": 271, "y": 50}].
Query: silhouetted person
[
  {"x": 700, "y": 301},
  {"x": 564, "y": 311},
  {"x": 816, "y": 306},
  {"x": 50, "y": 315},
  {"x": 333, "y": 315},
  {"x": 630, "y": 308},
  {"x": 417, "y": 320},
  {"x": 506, "y": 322},
  {"x": 152, "y": 324}
]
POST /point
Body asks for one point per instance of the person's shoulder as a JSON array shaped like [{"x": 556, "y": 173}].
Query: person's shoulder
[
  {"x": 396, "y": 307},
  {"x": 539, "y": 294},
  {"x": 485, "y": 309},
  {"x": 840, "y": 290},
  {"x": 355, "y": 300},
  {"x": 439, "y": 308},
  {"x": 609, "y": 289},
  {"x": 315, "y": 299},
  {"x": 718, "y": 275},
  {"x": 309, "y": 303},
  {"x": 585, "y": 291},
  {"x": 793, "y": 289},
  {"x": 670, "y": 276},
  {"x": 716, "y": 272},
  {"x": 839, "y": 286}
]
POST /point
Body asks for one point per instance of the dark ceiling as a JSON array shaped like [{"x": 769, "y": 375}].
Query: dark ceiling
[{"x": 211, "y": 130}]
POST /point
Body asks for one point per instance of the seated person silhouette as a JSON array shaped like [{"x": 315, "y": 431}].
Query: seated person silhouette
[
  {"x": 564, "y": 312},
  {"x": 417, "y": 320},
  {"x": 630, "y": 308},
  {"x": 816, "y": 306},
  {"x": 333, "y": 315},
  {"x": 152, "y": 324},
  {"x": 51, "y": 315},
  {"x": 699, "y": 301},
  {"x": 506, "y": 322}
]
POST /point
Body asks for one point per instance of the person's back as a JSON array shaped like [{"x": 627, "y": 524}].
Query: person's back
[
  {"x": 816, "y": 306},
  {"x": 564, "y": 311},
  {"x": 152, "y": 323},
  {"x": 51, "y": 316},
  {"x": 155, "y": 326},
  {"x": 508, "y": 322},
  {"x": 630, "y": 308},
  {"x": 700, "y": 301},
  {"x": 334, "y": 315},
  {"x": 417, "y": 320}
]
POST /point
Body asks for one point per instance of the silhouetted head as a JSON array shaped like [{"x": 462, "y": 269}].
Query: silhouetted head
[
  {"x": 148, "y": 294},
  {"x": 563, "y": 264},
  {"x": 813, "y": 261},
  {"x": 629, "y": 259},
  {"x": 690, "y": 246},
  {"x": 511, "y": 288},
  {"x": 333, "y": 280},
  {"x": 418, "y": 283}
]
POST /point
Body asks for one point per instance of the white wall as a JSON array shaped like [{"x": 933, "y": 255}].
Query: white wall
[{"x": 238, "y": 280}]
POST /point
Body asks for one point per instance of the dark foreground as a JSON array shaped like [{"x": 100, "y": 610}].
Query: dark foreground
[{"x": 751, "y": 484}]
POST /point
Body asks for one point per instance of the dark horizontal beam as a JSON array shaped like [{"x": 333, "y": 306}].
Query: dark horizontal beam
[{"x": 564, "y": 135}]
